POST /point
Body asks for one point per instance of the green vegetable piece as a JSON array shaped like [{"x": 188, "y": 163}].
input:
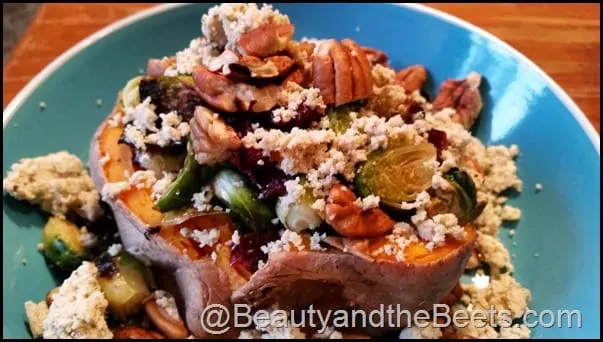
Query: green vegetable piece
[
  {"x": 243, "y": 201},
  {"x": 62, "y": 246},
  {"x": 130, "y": 96},
  {"x": 123, "y": 280},
  {"x": 463, "y": 202},
  {"x": 339, "y": 118},
  {"x": 189, "y": 181},
  {"x": 398, "y": 173}
]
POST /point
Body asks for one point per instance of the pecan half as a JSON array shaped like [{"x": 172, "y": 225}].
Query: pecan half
[
  {"x": 463, "y": 96},
  {"x": 212, "y": 139},
  {"x": 266, "y": 40},
  {"x": 341, "y": 71},
  {"x": 136, "y": 333},
  {"x": 171, "y": 327},
  {"x": 411, "y": 78},
  {"x": 375, "y": 56},
  {"x": 349, "y": 220},
  {"x": 225, "y": 95},
  {"x": 249, "y": 67}
]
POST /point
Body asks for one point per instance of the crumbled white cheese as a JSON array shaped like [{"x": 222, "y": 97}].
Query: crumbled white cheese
[
  {"x": 205, "y": 237},
  {"x": 226, "y": 23},
  {"x": 202, "y": 199},
  {"x": 87, "y": 239},
  {"x": 111, "y": 190},
  {"x": 538, "y": 187},
  {"x": 236, "y": 238},
  {"x": 172, "y": 129},
  {"x": 368, "y": 202},
  {"x": 421, "y": 332},
  {"x": 36, "y": 313},
  {"x": 162, "y": 185},
  {"x": 288, "y": 238},
  {"x": 43, "y": 105},
  {"x": 57, "y": 182},
  {"x": 510, "y": 213},
  {"x": 166, "y": 301},
  {"x": 382, "y": 75},
  {"x": 214, "y": 256},
  {"x": 114, "y": 249},
  {"x": 78, "y": 308},
  {"x": 99, "y": 102},
  {"x": 434, "y": 230},
  {"x": 315, "y": 241},
  {"x": 142, "y": 179},
  {"x": 292, "y": 97},
  {"x": 481, "y": 281},
  {"x": 115, "y": 120},
  {"x": 494, "y": 253}
]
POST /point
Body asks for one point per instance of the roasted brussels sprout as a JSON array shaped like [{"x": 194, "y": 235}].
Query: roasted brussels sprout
[
  {"x": 244, "y": 203},
  {"x": 123, "y": 280},
  {"x": 171, "y": 93},
  {"x": 189, "y": 181},
  {"x": 159, "y": 161},
  {"x": 62, "y": 245},
  {"x": 130, "y": 95},
  {"x": 460, "y": 200},
  {"x": 398, "y": 173},
  {"x": 298, "y": 216}
]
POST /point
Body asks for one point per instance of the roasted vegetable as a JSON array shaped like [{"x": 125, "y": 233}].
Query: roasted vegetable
[
  {"x": 339, "y": 118},
  {"x": 189, "y": 181},
  {"x": 62, "y": 245},
  {"x": 460, "y": 199},
  {"x": 243, "y": 202},
  {"x": 130, "y": 95},
  {"x": 159, "y": 161},
  {"x": 298, "y": 216},
  {"x": 398, "y": 173},
  {"x": 123, "y": 280},
  {"x": 171, "y": 93},
  {"x": 178, "y": 216}
]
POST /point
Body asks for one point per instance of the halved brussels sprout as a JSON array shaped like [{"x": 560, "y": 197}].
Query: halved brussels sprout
[
  {"x": 398, "y": 173},
  {"x": 244, "y": 203},
  {"x": 190, "y": 180},
  {"x": 130, "y": 95},
  {"x": 298, "y": 216},
  {"x": 123, "y": 280},
  {"x": 461, "y": 200},
  {"x": 159, "y": 161},
  {"x": 62, "y": 245},
  {"x": 171, "y": 94}
]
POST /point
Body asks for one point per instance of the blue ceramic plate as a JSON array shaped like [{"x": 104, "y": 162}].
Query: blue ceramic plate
[{"x": 559, "y": 147}]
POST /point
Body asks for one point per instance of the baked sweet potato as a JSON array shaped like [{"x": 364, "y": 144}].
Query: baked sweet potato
[{"x": 358, "y": 278}]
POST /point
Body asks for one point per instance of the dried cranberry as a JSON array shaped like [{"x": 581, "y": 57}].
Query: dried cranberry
[
  {"x": 248, "y": 252},
  {"x": 304, "y": 119},
  {"x": 268, "y": 179},
  {"x": 438, "y": 139}
]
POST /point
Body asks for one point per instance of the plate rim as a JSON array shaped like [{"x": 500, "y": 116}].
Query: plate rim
[{"x": 557, "y": 90}]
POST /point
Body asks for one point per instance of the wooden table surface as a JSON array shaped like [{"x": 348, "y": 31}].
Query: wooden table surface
[{"x": 563, "y": 39}]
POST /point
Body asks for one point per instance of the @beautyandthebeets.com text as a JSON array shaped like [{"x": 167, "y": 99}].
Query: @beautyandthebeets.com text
[{"x": 218, "y": 319}]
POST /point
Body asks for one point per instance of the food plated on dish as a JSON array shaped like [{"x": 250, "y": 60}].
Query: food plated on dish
[{"x": 253, "y": 168}]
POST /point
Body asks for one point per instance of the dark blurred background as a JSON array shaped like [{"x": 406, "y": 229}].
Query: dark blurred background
[{"x": 15, "y": 19}]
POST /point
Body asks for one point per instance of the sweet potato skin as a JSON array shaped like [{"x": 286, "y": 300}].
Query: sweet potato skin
[
  {"x": 200, "y": 282},
  {"x": 357, "y": 282}
]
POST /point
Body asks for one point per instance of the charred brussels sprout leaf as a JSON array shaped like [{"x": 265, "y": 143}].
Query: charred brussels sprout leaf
[
  {"x": 398, "y": 173},
  {"x": 62, "y": 246},
  {"x": 244, "y": 203},
  {"x": 171, "y": 94},
  {"x": 463, "y": 201},
  {"x": 339, "y": 117},
  {"x": 130, "y": 94}
]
